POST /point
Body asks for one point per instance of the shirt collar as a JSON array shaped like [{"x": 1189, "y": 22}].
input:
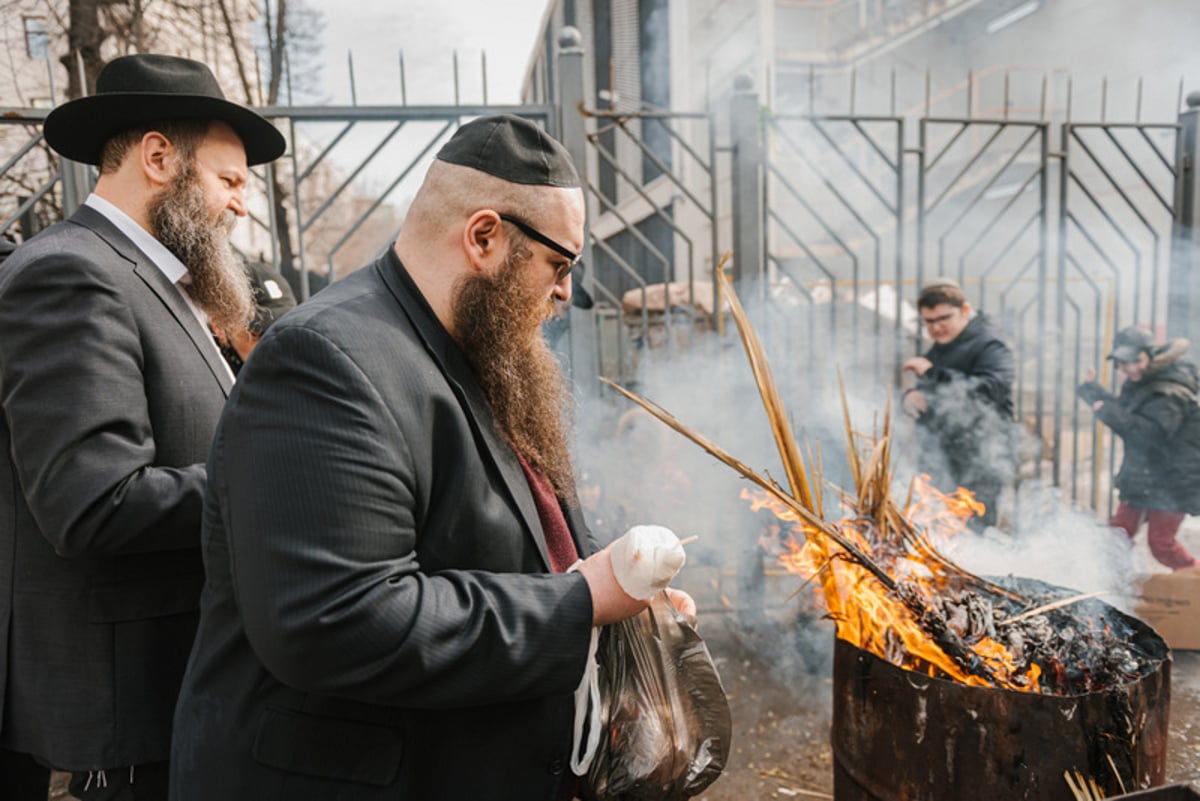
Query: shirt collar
[{"x": 163, "y": 259}]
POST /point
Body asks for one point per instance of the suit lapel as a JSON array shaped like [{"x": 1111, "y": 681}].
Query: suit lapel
[
  {"x": 462, "y": 380},
  {"x": 584, "y": 544},
  {"x": 163, "y": 289}
]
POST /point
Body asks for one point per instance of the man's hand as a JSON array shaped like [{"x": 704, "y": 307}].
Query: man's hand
[
  {"x": 917, "y": 364},
  {"x": 1090, "y": 392},
  {"x": 914, "y": 403},
  {"x": 684, "y": 603},
  {"x": 610, "y": 603}
]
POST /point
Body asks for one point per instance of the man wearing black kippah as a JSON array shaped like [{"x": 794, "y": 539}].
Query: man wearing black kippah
[{"x": 391, "y": 515}]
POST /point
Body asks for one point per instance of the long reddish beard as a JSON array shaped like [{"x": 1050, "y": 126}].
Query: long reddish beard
[
  {"x": 497, "y": 324},
  {"x": 184, "y": 225}
]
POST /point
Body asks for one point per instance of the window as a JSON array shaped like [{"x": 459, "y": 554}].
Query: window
[{"x": 37, "y": 38}]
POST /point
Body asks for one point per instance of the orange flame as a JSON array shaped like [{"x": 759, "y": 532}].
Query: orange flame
[
  {"x": 942, "y": 515},
  {"x": 875, "y": 619}
]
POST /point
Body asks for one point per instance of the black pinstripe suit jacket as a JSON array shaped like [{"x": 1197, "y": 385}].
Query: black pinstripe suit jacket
[
  {"x": 378, "y": 620},
  {"x": 110, "y": 391}
]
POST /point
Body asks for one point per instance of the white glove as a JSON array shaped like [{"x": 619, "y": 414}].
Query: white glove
[{"x": 645, "y": 559}]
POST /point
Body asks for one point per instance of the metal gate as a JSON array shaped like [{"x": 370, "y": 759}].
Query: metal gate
[
  {"x": 654, "y": 229},
  {"x": 1064, "y": 242},
  {"x": 835, "y": 215},
  {"x": 308, "y": 212},
  {"x": 1118, "y": 200}
]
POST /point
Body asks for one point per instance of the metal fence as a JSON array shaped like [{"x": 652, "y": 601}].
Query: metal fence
[
  {"x": 1065, "y": 232},
  {"x": 1063, "y": 241}
]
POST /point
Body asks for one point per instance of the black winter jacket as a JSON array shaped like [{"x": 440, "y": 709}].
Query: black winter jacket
[
  {"x": 967, "y": 430},
  {"x": 1158, "y": 420}
]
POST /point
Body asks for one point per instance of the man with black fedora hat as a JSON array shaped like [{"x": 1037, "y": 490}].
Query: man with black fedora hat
[
  {"x": 111, "y": 386},
  {"x": 391, "y": 515}
]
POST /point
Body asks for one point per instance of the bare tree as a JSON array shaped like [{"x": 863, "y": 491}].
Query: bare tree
[
  {"x": 289, "y": 35},
  {"x": 86, "y": 34}
]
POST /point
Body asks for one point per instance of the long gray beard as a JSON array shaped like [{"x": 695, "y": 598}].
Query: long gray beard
[{"x": 183, "y": 224}]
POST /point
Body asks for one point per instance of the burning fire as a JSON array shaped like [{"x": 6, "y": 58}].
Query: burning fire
[
  {"x": 942, "y": 516},
  {"x": 886, "y": 584},
  {"x": 868, "y": 615}
]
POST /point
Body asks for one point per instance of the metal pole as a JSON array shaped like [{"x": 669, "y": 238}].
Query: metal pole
[
  {"x": 572, "y": 130},
  {"x": 1042, "y": 307},
  {"x": 747, "y": 195},
  {"x": 76, "y": 184},
  {"x": 1183, "y": 282},
  {"x": 1060, "y": 317},
  {"x": 898, "y": 344}
]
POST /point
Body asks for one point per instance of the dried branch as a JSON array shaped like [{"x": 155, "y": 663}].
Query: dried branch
[
  {"x": 793, "y": 465},
  {"x": 928, "y": 619},
  {"x": 1050, "y": 606}
]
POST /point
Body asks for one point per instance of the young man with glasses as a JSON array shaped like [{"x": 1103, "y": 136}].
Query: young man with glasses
[
  {"x": 1157, "y": 417},
  {"x": 962, "y": 400}
]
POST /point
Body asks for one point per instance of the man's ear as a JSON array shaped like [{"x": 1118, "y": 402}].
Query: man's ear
[
  {"x": 966, "y": 307},
  {"x": 482, "y": 239},
  {"x": 158, "y": 157}
]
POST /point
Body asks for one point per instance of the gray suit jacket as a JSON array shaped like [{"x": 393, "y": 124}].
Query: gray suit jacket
[
  {"x": 378, "y": 621},
  {"x": 110, "y": 393}
]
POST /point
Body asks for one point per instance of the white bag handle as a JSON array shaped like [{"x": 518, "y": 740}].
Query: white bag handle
[
  {"x": 644, "y": 560},
  {"x": 587, "y": 691}
]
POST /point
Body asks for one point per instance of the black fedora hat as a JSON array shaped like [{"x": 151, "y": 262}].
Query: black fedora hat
[{"x": 143, "y": 89}]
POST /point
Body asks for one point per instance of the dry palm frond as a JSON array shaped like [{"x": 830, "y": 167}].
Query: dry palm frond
[
  {"x": 1083, "y": 789},
  {"x": 873, "y": 484},
  {"x": 812, "y": 524},
  {"x": 1116, "y": 773},
  {"x": 1074, "y": 599},
  {"x": 781, "y": 429},
  {"x": 873, "y": 499},
  {"x": 932, "y": 622}
]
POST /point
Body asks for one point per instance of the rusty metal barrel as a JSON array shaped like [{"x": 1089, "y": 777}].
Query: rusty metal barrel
[{"x": 904, "y": 736}]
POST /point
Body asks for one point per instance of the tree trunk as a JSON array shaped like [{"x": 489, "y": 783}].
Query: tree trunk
[
  {"x": 85, "y": 35},
  {"x": 276, "y": 46}
]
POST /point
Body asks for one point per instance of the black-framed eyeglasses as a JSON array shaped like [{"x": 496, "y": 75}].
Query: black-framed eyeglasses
[
  {"x": 538, "y": 236},
  {"x": 941, "y": 318}
]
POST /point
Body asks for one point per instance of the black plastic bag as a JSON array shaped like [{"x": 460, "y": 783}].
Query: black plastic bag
[{"x": 665, "y": 722}]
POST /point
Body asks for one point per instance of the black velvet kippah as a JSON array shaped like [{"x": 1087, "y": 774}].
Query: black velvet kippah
[{"x": 512, "y": 149}]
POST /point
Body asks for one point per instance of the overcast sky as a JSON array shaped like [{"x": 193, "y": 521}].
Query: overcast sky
[{"x": 428, "y": 32}]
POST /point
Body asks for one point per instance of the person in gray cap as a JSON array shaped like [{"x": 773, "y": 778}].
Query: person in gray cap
[
  {"x": 1157, "y": 417},
  {"x": 392, "y": 514},
  {"x": 111, "y": 387}
]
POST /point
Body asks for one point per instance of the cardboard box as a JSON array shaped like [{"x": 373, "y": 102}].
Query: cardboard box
[{"x": 1170, "y": 603}]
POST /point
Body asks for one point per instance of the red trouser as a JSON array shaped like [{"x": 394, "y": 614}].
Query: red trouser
[{"x": 1161, "y": 536}]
